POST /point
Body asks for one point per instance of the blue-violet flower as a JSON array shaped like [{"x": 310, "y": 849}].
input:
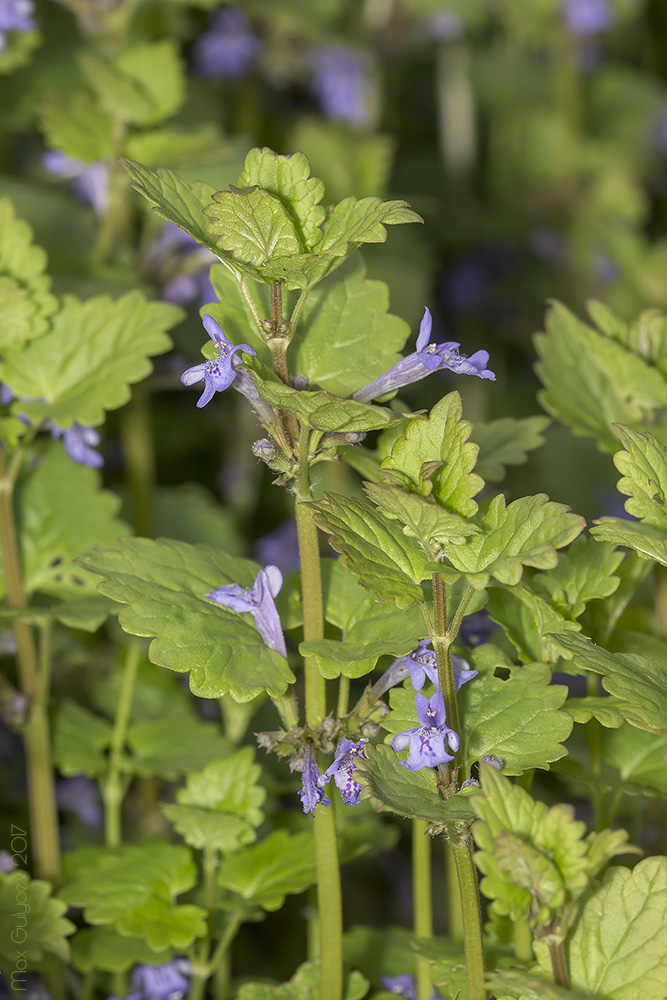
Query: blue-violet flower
[
  {"x": 426, "y": 359},
  {"x": 15, "y": 15},
  {"x": 587, "y": 17},
  {"x": 89, "y": 181},
  {"x": 80, "y": 443},
  {"x": 229, "y": 49},
  {"x": 168, "y": 981},
  {"x": 222, "y": 371},
  {"x": 422, "y": 663},
  {"x": 341, "y": 85},
  {"x": 342, "y": 769},
  {"x": 311, "y": 794},
  {"x": 427, "y": 741},
  {"x": 259, "y": 602}
]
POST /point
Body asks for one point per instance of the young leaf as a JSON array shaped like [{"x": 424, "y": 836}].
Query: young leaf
[
  {"x": 278, "y": 866},
  {"x": 288, "y": 177},
  {"x": 386, "y": 562},
  {"x": 164, "y": 584},
  {"x": 79, "y": 740},
  {"x": 25, "y": 302},
  {"x": 304, "y": 985},
  {"x": 252, "y": 225},
  {"x": 584, "y": 573},
  {"x": 392, "y": 788},
  {"x": 591, "y": 381},
  {"x": 619, "y": 945},
  {"x": 421, "y": 517},
  {"x": 173, "y": 199},
  {"x": 527, "y": 619},
  {"x": 31, "y": 922},
  {"x": 441, "y": 441},
  {"x": 506, "y": 441},
  {"x": 87, "y": 362},
  {"x": 630, "y": 677},
  {"x": 133, "y": 888},
  {"x": 346, "y": 336},
  {"x": 351, "y": 223},
  {"x": 527, "y": 533}
]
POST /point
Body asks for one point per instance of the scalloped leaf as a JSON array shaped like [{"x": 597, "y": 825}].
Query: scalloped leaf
[
  {"x": 252, "y": 225},
  {"x": 352, "y": 222},
  {"x": 288, "y": 177},
  {"x": 385, "y": 561},
  {"x": 304, "y": 985},
  {"x": 527, "y": 533},
  {"x": 27, "y": 908},
  {"x": 85, "y": 365},
  {"x": 174, "y": 199},
  {"x": 527, "y": 620},
  {"x": 434, "y": 458},
  {"x": 155, "y": 753},
  {"x": 79, "y": 740},
  {"x": 584, "y": 573},
  {"x": 618, "y": 948},
  {"x": 104, "y": 949},
  {"x": 421, "y": 517},
  {"x": 25, "y": 302},
  {"x": 504, "y": 442},
  {"x": 280, "y": 865},
  {"x": 164, "y": 583}
]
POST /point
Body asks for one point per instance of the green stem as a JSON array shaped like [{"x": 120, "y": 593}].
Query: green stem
[
  {"x": 343, "y": 697},
  {"x": 41, "y": 791},
  {"x": 523, "y": 941},
  {"x": 459, "y": 614},
  {"x": 329, "y": 897},
  {"x": 472, "y": 915},
  {"x": 137, "y": 437},
  {"x": 287, "y": 709},
  {"x": 250, "y": 302},
  {"x": 202, "y": 967},
  {"x": 558, "y": 964},
  {"x": 442, "y": 644},
  {"x": 660, "y": 598},
  {"x": 296, "y": 315},
  {"x": 113, "y": 788},
  {"x": 422, "y": 903},
  {"x": 454, "y": 913}
]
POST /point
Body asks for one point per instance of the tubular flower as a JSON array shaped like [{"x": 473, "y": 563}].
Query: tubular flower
[
  {"x": 80, "y": 443},
  {"x": 422, "y": 663},
  {"x": 342, "y": 769},
  {"x": 429, "y": 741},
  {"x": 426, "y": 359},
  {"x": 258, "y": 601},
  {"x": 311, "y": 794},
  {"x": 219, "y": 373}
]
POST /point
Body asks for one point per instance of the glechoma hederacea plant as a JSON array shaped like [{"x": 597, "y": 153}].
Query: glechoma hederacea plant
[{"x": 383, "y": 705}]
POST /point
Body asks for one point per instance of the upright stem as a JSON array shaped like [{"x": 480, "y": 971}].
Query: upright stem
[
  {"x": 113, "y": 787},
  {"x": 472, "y": 914},
  {"x": 660, "y": 598},
  {"x": 558, "y": 964},
  {"x": 442, "y": 644},
  {"x": 329, "y": 898},
  {"x": 422, "y": 903},
  {"x": 454, "y": 913},
  {"x": 41, "y": 791},
  {"x": 137, "y": 438}
]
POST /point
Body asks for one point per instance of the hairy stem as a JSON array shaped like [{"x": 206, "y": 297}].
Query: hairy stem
[
  {"x": 454, "y": 913},
  {"x": 422, "y": 903},
  {"x": 472, "y": 915},
  {"x": 113, "y": 787},
  {"x": 442, "y": 645}
]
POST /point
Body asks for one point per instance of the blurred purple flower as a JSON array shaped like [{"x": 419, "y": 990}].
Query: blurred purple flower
[
  {"x": 80, "y": 795},
  {"x": 426, "y": 359},
  {"x": 15, "y": 15},
  {"x": 187, "y": 265},
  {"x": 7, "y": 863},
  {"x": 476, "y": 629},
  {"x": 342, "y": 769},
  {"x": 427, "y": 741},
  {"x": 587, "y": 17},
  {"x": 444, "y": 26},
  {"x": 221, "y": 372},
  {"x": 89, "y": 181},
  {"x": 311, "y": 794},
  {"x": 229, "y": 49},
  {"x": 258, "y": 600},
  {"x": 80, "y": 443},
  {"x": 280, "y": 547},
  {"x": 549, "y": 245},
  {"x": 341, "y": 85},
  {"x": 402, "y": 986},
  {"x": 160, "y": 982},
  {"x": 605, "y": 268},
  {"x": 492, "y": 761}
]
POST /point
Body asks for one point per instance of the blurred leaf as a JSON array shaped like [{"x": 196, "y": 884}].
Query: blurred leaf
[
  {"x": 506, "y": 441},
  {"x": 646, "y": 541},
  {"x": 619, "y": 943},
  {"x": 174, "y": 199},
  {"x": 527, "y": 619},
  {"x": 390, "y": 787},
  {"x": 143, "y": 86},
  {"x": 25, "y": 301},
  {"x": 304, "y": 985},
  {"x": 104, "y": 949},
  {"x": 346, "y": 337},
  {"x": 133, "y": 888},
  {"x": 280, "y": 865},
  {"x": 638, "y": 756},
  {"x": 386, "y": 562},
  {"x": 155, "y": 752},
  {"x": 528, "y": 986},
  {"x": 78, "y": 126},
  {"x": 79, "y": 740},
  {"x": 45, "y": 926},
  {"x": 190, "y": 513},
  {"x": 584, "y": 573},
  {"x": 348, "y": 161},
  {"x": 164, "y": 584},
  {"x": 229, "y": 785},
  {"x": 87, "y": 362}
]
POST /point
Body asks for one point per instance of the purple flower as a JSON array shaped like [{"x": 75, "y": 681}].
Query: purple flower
[
  {"x": 280, "y": 546},
  {"x": 220, "y": 373},
  {"x": 427, "y": 741},
  {"x": 422, "y": 663},
  {"x": 80, "y": 795},
  {"x": 426, "y": 359},
  {"x": 342, "y": 769},
  {"x": 90, "y": 181},
  {"x": 259, "y": 602},
  {"x": 229, "y": 49},
  {"x": 161, "y": 982},
  {"x": 587, "y": 17},
  {"x": 15, "y": 15},
  {"x": 187, "y": 265},
  {"x": 492, "y": 761},
  {"x": 80, "y": 443},
  {"x": 605, "y": 268},
  {"x": 476, "y": 629},
  {"x": 311, "y": 794},
  {"x": 341, "y": 85},
  {"x": 404, "y": 986}
]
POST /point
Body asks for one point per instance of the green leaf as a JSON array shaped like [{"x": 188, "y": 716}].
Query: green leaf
[
  {"x": 647, "y": 542},
  {"x": 78, "y": 126},
  {"x": 280, "y": 865},
  {"x": 592, "y": 381},
  {"x": 104, "y": 949},
  {"x": 156, "y": 753},
  {"x": 639, "y": 757},
  {"x": 190, "y": 512},
  {"x": 527, "y": 533},
  {"x": 519, "y": 719},
  {"x": 252, "y": 225},
  {"x": 288, "y": 177},
  {"x": 392, "y": 788},
  {"x": 351, "y": 223},
  {"x": 346, "y": 336},
  {"x": 506, "y": 441},
  {"x": 386, "y": 562},
  {"x": 174, "y": 199},
  {"x": 304, "y": 985},
  {"x": 143, "y": 86},
  {"x": 25, "y": 302},
  {"x": 619, "y": 946},
  {"x": 62, "y": 514},
  {"x": 434, "y": 458},
  {"x": 528, "y": 986},
  {"x": 79, "y": 740},
  {"x": 229, "y": 786},
  {"x": 527, "y": 620},
  {"x": 630, "y": 677},
  {"x": 207, "y": 828},
  {"x": 87, "y": 362},
  {"x": 133, "y": 889},
  {"x": 164, "y": 584},
  {"x": 31, "y": 922},
  {"x": 645, "y": 336},
  {"x": 233, "y": 313},
  {"x": 584, "y": 573},
  {"x": 421, "y": 517}
]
